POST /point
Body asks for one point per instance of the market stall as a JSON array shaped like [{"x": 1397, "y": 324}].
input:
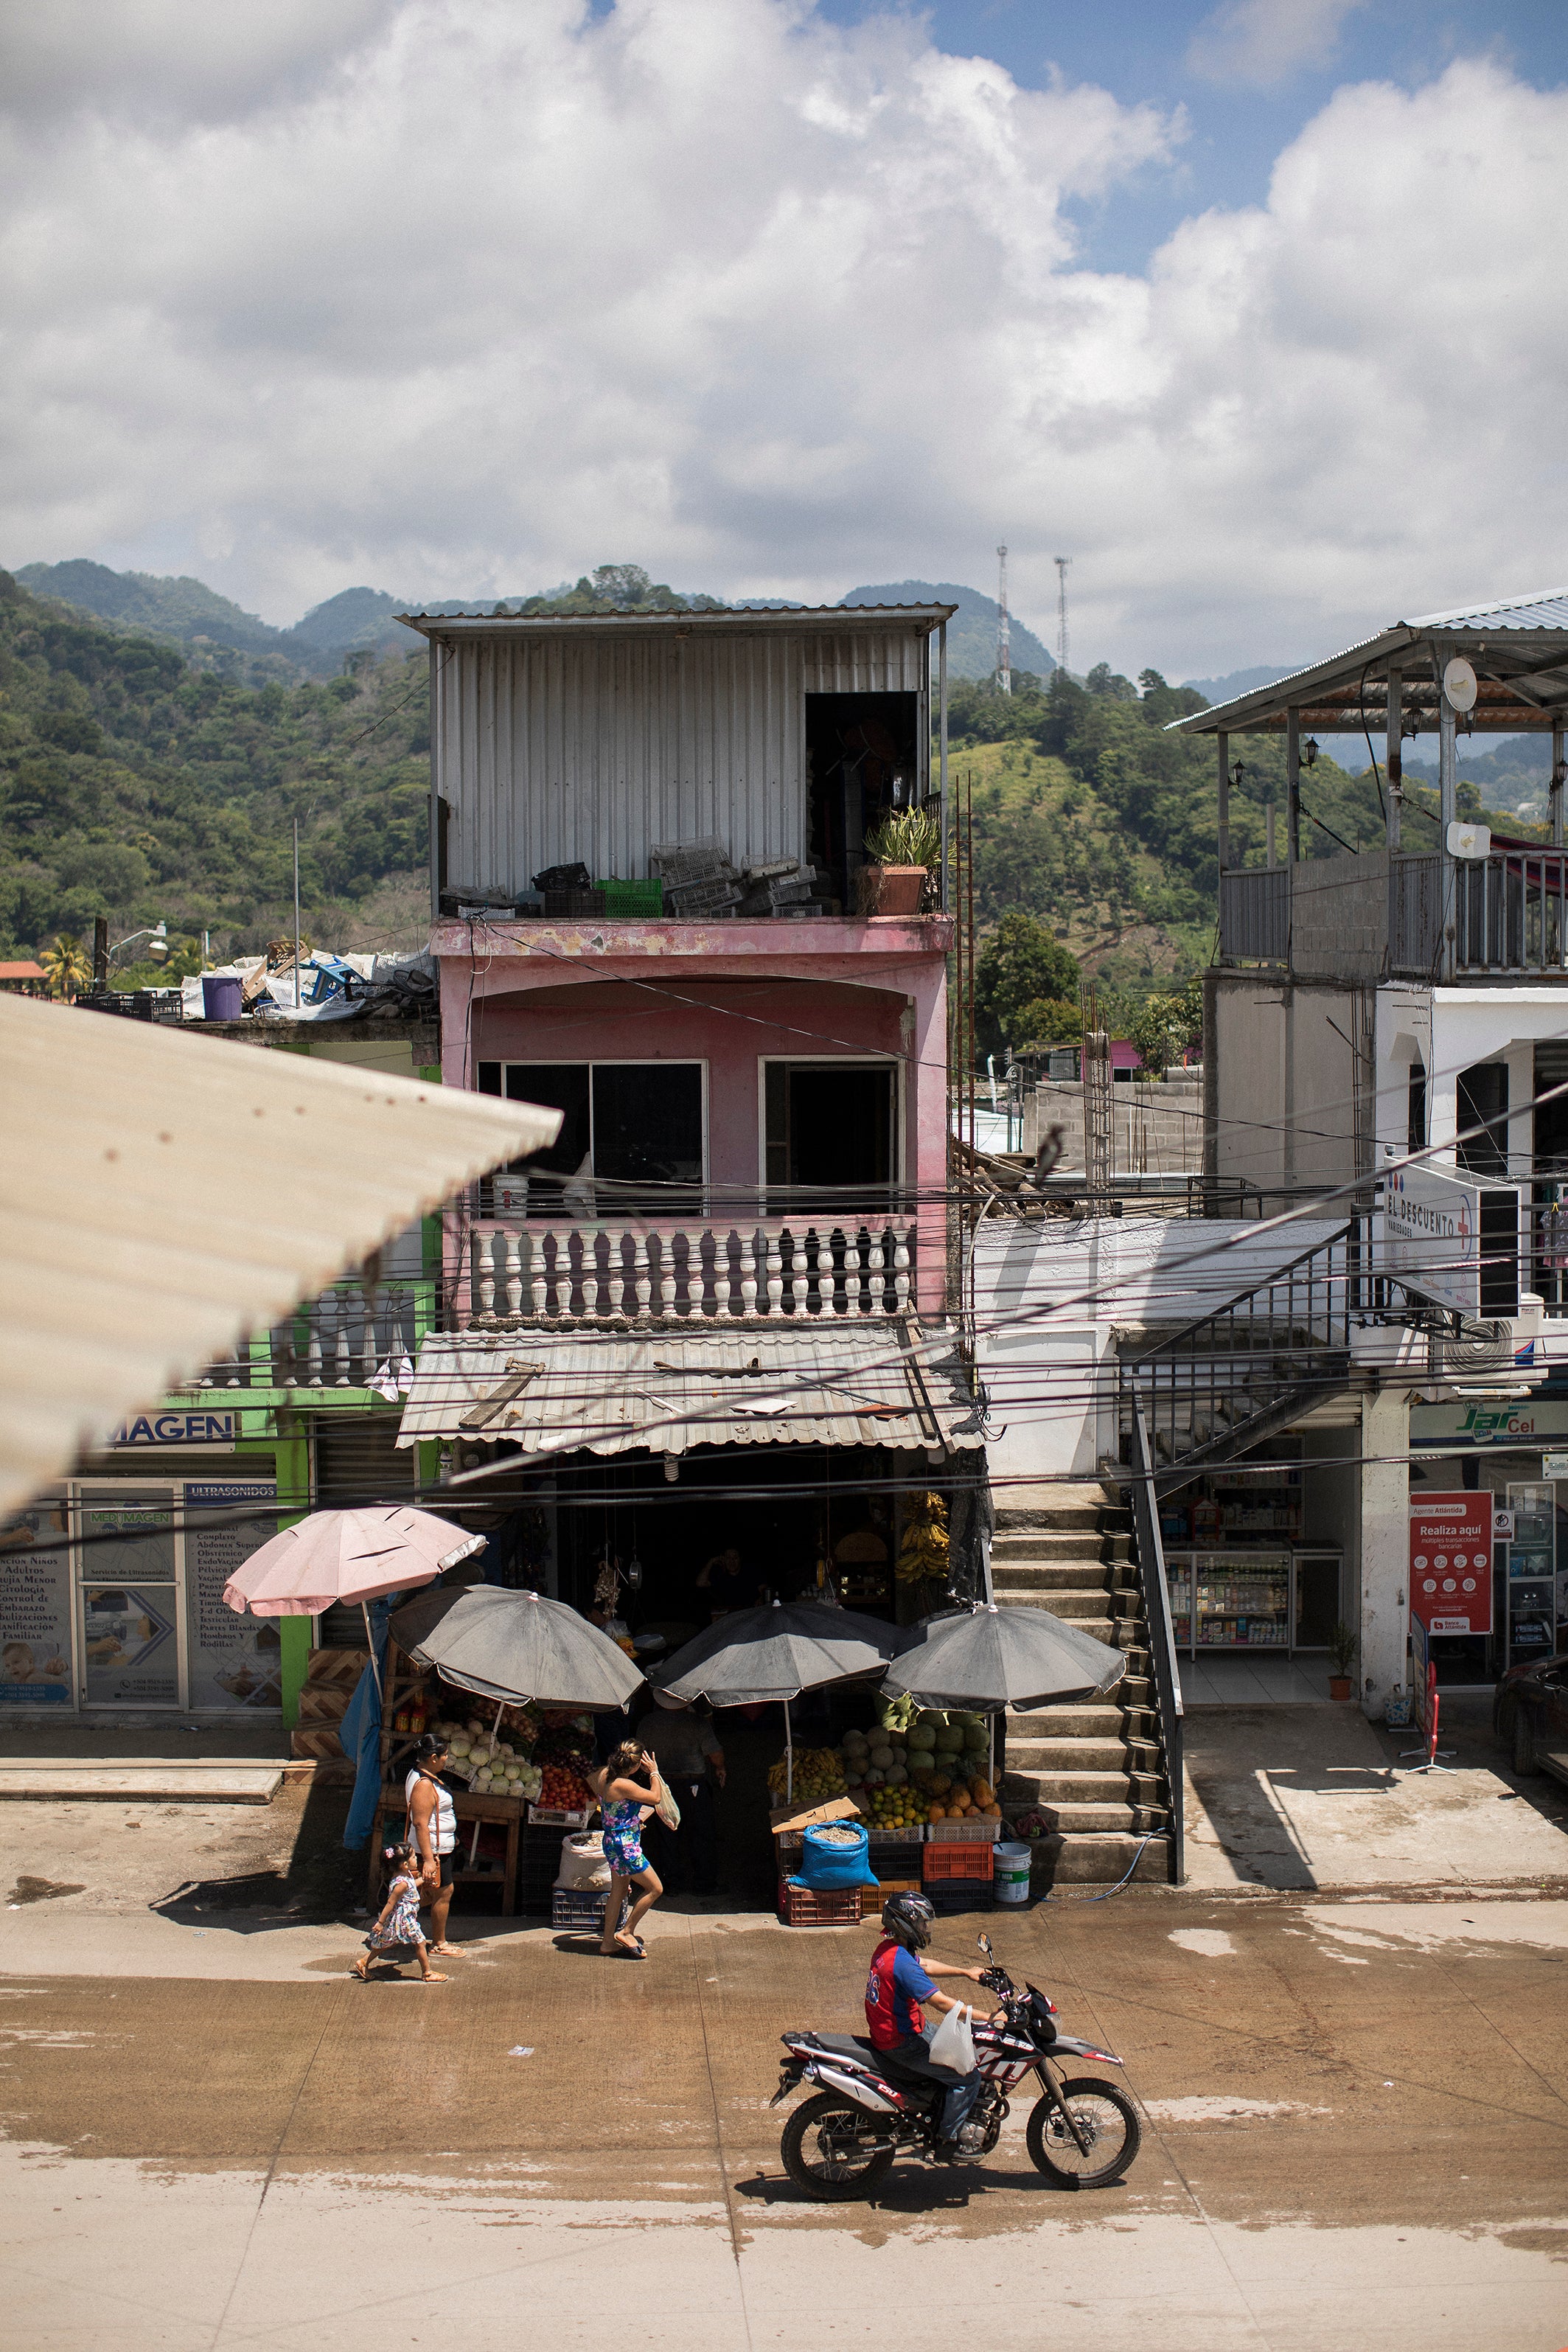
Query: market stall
[{"x": 511, "y": 1682}]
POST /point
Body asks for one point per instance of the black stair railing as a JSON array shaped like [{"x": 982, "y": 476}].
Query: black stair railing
[
  {"x": 1222, "y": 1381},
  {"x": 1149, "y": 1560}
]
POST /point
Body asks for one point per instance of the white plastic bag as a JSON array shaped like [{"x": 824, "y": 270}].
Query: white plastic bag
[
  {"x": 953, "y": 2044},
  {"x": 583, "y": 1866}
]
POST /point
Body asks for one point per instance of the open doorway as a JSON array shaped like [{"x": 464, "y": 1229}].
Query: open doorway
[
  {"x": 862, "y": 754},
  {"x": 833, "y": 1126}
]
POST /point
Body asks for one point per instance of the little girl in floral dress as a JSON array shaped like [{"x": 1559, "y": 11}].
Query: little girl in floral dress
[{"x": 397, "y": 1935}]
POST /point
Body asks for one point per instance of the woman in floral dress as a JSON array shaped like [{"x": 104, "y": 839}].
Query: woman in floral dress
[{"x": 625, "y": 1800}]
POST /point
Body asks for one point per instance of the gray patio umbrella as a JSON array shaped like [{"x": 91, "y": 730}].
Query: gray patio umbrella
[
  {"x": 516, "y": 1646},
  {"x": 987, "y": 1658},
  {"x": 754, "y": 1655}
]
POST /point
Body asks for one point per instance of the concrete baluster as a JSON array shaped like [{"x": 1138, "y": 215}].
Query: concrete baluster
[
  {"x": 534, "y": 1251},
  {"x": 514, "y": 1272},
  {"x": 774, "y": 1246},
  {"x": 825, "y": 1272},
  {"x": 640, "y": 1295},
  {"x": 666, "y": 1273},
  {"x": 876, "y": 1262},
  {"x": 721, "y": 1278},
  {"x": 750, "y": 1251},
  {"x": 313, "y": 1351},
  {"x": 901, "y": 1265},
  {"x": 482, "y": 1295}
]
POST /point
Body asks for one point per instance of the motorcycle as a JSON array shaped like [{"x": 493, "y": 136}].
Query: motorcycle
[{"x": 842, "y": 2143}]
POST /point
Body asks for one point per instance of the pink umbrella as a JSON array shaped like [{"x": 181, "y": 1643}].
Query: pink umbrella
[{"x": 347, "y": 1556}]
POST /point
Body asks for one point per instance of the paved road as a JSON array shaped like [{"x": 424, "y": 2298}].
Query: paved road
[{"x": 1357, "y": 2134}]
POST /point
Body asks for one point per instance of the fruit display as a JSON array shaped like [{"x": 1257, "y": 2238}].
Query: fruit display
[
  {"x": 818, "y": 1775},
  {"x": 562, "y": 1785},
  {"x": 923, "y": 1552},
  {"x": 937, "y": 1769}
]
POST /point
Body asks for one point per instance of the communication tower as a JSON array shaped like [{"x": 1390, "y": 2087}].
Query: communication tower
[
  {"x": 1004, "y": 644},
  {"x": 1062, "y": 562}
]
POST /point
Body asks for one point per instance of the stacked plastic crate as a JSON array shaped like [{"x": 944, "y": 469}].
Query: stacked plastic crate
[
  {"x": 700, "y": 881},
  {"x": 959, "y": 1865}
]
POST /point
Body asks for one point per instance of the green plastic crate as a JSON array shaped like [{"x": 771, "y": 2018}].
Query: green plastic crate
[{"x": 633, "y": 898}]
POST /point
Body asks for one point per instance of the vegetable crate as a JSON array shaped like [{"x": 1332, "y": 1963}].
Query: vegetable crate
[
  {"x": 968, "y": 1831},
  {"x": 893, "y": 1863},
  {"x": 946, "y": 1895},
  {"x": 958, "y": 1862},
  {"x": 825, "y": 1906},
  {"x": 914, "y": 1835},
  {"x": 631, "y": 897},
  {"x": 551, "y": 1817},
  {"x": 580, "y": 1909},
  {"x": 876, "y": 1896}
]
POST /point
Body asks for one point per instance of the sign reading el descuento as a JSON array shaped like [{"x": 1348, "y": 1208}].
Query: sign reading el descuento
[{"x": 1450, "y": 1561}]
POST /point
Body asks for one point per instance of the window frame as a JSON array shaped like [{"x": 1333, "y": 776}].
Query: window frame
[
  {"x": 893, "y": 1062},
  {"x": 610, "y": 1062}
]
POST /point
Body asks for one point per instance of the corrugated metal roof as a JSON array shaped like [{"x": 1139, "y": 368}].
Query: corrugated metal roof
[
  {"x": 1315, "y": 691},
  {"x": 753, "y": 618},
  {"x": 161, "y": 1194},
  {"x": 1546, "y": 608},
  {"x": 831, "y": 1384}
]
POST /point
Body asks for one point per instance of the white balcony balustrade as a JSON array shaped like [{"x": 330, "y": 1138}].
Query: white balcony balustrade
[
  {"x": 341, "y": 1340},
  {"x": 641, "y": 1272}
]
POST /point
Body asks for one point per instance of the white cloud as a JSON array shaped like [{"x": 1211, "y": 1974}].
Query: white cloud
[
  {"x": 171, "y": 58},
  {"x": 1260, "y": 43},
  {"x": 712, "y": 286}
]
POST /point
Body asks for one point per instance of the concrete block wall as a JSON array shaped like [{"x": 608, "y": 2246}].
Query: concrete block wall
[{"x": 1156, "y": 1129}]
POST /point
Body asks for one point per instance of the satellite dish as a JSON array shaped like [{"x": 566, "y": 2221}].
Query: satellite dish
[
  {"x": 1460, "y": 684},
  {"x": 1465, "y": 840}
]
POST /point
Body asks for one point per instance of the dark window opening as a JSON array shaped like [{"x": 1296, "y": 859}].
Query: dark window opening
[
  {"x": 862, "y": 758},
  {"x": 632, "y": 1129},
  {"x": 1415, "y": 1128},
  {"x": 832, "y": 1127},
  {"x": 1481, "y": 1101}
]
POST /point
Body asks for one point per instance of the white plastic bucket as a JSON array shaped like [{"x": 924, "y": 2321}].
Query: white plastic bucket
[{"x": 1012, "y": 1873}]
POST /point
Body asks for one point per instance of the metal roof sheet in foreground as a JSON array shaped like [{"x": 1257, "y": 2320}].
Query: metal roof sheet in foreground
[
  {"x": 163, "y": 1194},
  {"x": 829, "y": 1383}
]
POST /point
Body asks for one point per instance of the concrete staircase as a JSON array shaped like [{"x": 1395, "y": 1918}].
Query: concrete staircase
[{"x": 1093, "y": 1768}]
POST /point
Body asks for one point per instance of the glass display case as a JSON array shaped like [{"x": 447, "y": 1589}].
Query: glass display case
[
  {"x": 1232, "y": 1601},
  {"x": 1531, "y": 1629}
]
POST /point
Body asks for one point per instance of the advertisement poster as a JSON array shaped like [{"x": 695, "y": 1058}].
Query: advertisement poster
[
  {"x": 36, "y": 1608},
  {"x": 233, "y": 1660},
  {"x": 130, "y": 1643},
  {"x": 1450, "y": 1561}
]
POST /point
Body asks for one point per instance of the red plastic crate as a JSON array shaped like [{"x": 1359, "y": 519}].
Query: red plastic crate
[
  {"x": 958, "y": 1862},
  {"x": 805, "y": 1906}
]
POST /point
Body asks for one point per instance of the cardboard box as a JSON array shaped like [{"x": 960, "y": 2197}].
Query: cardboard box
[{"x": 811, "y": 1817}]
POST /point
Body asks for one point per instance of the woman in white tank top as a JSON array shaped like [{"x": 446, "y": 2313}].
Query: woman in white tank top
[{"x": 432, "y": 1831}]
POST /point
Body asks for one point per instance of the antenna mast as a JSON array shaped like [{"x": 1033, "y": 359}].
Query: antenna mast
[
  {"x": 1004, "y": 642},
  {"x": 1062, "y": 562}
]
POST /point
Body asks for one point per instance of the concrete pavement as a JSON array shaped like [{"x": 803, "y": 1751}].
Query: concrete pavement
[{"x": 1357, "y": 2132}]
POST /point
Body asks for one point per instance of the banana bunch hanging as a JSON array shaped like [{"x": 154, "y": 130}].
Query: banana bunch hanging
[{"x": 922, "y": 1553}]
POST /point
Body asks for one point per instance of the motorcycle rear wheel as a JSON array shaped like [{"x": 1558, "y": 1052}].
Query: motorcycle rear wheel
[
  {"x": 1108, "y": 2120},
  {"x": 825, "y": 2151}
]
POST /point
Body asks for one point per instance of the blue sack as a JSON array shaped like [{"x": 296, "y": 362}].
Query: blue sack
[{"x": 836, "y": 1855}]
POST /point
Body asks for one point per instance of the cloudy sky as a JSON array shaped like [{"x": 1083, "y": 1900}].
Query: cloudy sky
[{"x": 1256, "y": 310}]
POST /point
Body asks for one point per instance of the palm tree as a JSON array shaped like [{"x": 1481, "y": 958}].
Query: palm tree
[{"x": 69, "y": 966}]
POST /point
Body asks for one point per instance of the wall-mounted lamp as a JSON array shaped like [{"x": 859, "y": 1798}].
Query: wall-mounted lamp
[
  {"x": 1236, "y": 773},
  {"x": 1310, "y": 751}
]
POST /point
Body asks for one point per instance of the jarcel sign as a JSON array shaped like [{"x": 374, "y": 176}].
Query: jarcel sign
[{"x": 1450, "y": 1563}]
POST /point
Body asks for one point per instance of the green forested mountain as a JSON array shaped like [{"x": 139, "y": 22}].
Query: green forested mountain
[
  {"x": 136, "y": 787},
  {"x": 972, "y": 631}
]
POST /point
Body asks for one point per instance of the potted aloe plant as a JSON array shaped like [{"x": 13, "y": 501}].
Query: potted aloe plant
[
  {"x": 1343, "y": 1647},
  {"x": 906, "y": 848}
]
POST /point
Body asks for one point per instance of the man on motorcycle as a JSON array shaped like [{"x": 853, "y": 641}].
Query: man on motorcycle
[{"x": 897, "y": 1985}]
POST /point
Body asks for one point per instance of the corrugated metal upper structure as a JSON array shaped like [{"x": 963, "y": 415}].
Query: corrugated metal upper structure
[
  {"x": 588, "y": 738},
  {"x": 619, "y": 1393},
  {"x": 1518, "y": 646},
  {"x": 163, "y": 1194}
]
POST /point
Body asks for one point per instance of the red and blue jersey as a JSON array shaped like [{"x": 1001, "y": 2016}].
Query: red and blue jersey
[{"x": 894, "y": 1992}]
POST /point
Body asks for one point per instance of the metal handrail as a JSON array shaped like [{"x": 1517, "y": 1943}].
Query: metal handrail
[
  {"x": 1265, "y": 1344},
  {"x": 1150, "y": 1560}
]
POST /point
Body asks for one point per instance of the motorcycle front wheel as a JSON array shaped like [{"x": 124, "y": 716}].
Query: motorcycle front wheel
[
  {"x": 1109, "y": 2123},
  {"x": 833, "y": 2149}
]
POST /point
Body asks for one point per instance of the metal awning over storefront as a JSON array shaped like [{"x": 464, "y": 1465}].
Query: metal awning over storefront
[{"x": 551, "y": 1392}]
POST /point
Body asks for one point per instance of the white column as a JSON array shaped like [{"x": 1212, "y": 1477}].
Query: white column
[{"x": 1384, "y": 1546}]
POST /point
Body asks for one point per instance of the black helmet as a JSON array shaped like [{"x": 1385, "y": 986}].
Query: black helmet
[{"x": 908, "y": 1919}]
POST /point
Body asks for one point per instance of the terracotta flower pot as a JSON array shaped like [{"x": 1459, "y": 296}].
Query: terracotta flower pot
[
  {"x": 1339, "y": 1686},
  {"x": 892, "y": 889}
]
